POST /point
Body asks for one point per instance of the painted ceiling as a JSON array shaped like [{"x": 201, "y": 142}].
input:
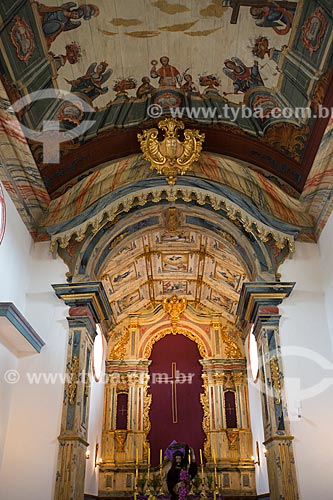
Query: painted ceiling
[
  {"x": 122, "y": 57},
  {"x": 119, "y": 58},
  {"x": 260, "y": 183},
  {"x": 164, "y": 263},
  {"x": 164, "y": 249},
  {"x": 196, "y": 36}
]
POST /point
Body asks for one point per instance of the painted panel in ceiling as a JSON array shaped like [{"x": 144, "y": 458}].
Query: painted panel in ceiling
[
  {"x": 131, "y": 38},
  {"x": 201, "y": 269}
]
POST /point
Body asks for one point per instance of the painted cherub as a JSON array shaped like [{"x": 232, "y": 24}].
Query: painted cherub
[
  {"x": 56, "y": 20},
  {"x": 275, "y": 16},
  {"x": 244, "y": 77},
  {"x": 91, "y": 83}
]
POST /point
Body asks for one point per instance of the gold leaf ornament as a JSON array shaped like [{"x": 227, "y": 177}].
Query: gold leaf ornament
[{"x": 171, "y": 157}]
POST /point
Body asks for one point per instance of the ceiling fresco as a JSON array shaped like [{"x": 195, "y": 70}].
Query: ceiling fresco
[
  {"x": 122, "y": 57},
  {"x": 144, "y": 256},
  {"x": 119, "y": 59},
  {"x": 130, "y": 36},
  {"x": 145, "y": 270}
]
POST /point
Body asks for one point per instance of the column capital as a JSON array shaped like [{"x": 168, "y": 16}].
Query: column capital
[
  {"x": 260, "y": 299},
  {"x": 90, "y": 295},
  {"x": 86, "y": 322}
]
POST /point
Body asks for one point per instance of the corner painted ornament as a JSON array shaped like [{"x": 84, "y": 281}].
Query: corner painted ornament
[
  {"x": 171, "y": 157},
  {"x": 314, "y": 30},
  {"x": 23, "y": 39}
]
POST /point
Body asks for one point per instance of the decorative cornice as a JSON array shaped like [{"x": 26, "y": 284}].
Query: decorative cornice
[
  {"x": 278, "y": 438},
  {"x": 90, "y": 294},
  {"x": 249, "y": 223},
  {"x": 257, "y": 294},
  {"x": 9, "y": 312},
  {"x": 83, "y": 322},
  {"x": 79, "y": 439}
]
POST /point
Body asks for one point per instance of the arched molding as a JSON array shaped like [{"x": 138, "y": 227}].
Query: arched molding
[
  {"x": 223, "y": 230},
  {"x": 155, "y": 334},
  {"x": 252, "y": 220},
  {"x": 88, "y": 259},
  {"x": 233, "y": 178}
]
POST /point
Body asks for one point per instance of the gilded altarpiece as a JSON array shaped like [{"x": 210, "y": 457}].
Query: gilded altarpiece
[{"x": 226, "y": 449}]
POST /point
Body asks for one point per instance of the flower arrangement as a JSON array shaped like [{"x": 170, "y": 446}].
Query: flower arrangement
[
  {"x": 209, "y": 81},
  {"x": 123, "y": 84},
  {"x": 184, "y": 489},
  {"x": 196, "y": 482},
  {"x": 210, "y": 481},
  {"x": 155, "y": 482},
  {"x": 141, "y": 482},
  {"x": 73, "y": 52}
]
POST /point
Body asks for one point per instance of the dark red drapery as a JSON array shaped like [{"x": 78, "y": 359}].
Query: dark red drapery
[
  {"x": 230, "y": 409},
  {"x": 175, "y": 384},
  {"x": 122, "y": 410}
]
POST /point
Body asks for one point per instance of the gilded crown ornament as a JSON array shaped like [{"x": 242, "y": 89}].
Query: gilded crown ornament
[
  {"x": 171, "y": 157},
  {"x": 174, "y": 306}
]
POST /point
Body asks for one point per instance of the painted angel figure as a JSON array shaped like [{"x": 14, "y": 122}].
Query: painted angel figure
[
  {"x": 65, "y": 17},
  {"x": 243, "y": 77},
  {"x": 275, "y": 16},
  {"x": 91, "y": 84}
]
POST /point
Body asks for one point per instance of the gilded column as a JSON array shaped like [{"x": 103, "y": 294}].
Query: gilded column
[
  {"x": 258, "y": 306},
  {"x": 88, "y": 306},
  {"x": 139, "y": 404}
]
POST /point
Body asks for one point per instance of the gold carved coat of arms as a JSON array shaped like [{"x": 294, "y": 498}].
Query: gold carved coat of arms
[
  {"x": 174, "y": 306},
  {"x": 171, "y": 157}
]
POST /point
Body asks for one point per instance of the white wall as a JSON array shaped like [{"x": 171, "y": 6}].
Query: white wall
[
  {"x": 31, "y": 413},
  {"x": 7, "y": 362},
  {"x": 257, "y": 429},
  {"x": 14, "y": 276},
  {"x": 14, "y": 259},
  {"x": 95, "y": 431},
  {"x": 326, "y": 256},
  {"x": 307, "y": 363}
]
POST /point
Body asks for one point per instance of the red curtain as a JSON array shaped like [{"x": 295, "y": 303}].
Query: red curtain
[
  {"x": 175, "y": 384},
  {"x": 122, "y": 410},
  {"x": 230, "y": 409}
]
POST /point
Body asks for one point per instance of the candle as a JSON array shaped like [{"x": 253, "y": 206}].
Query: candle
[
  {"x": 214, "y": 457},
  {"x": 148, "y": 459},
  {"x": 200, "y": 451},
  {"x": 136, "y": 456},
  {"x": 189, "y": 457},
  {"x": 161, "y": 457}
]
